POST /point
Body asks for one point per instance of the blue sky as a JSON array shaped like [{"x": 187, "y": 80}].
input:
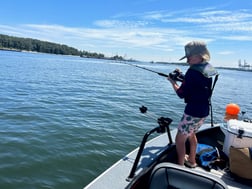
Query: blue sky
[{"x": 148, "y": 30}]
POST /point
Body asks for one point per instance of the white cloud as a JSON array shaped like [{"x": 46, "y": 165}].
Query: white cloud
[
  {"x": 213, "y": 20},
  {"x": 226, "y": 52},
  {"x": 120, "y": 24},
  {"x": 157, "y": 33},
  {"x": 238, "y": 38}
]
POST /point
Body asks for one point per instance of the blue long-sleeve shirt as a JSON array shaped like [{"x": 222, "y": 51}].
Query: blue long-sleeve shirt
[{"x": 196, "y": 91}]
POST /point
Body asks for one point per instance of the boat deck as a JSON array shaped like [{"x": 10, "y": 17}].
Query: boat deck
[
  {"x": 215, "y": 137},
  {"x": 226, "y": 177},
  {"x": 118, "y": 173},
  {"x": 116, "y": 176}
]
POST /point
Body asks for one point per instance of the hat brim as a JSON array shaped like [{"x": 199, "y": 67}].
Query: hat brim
[{"x": 182, "y": 58}]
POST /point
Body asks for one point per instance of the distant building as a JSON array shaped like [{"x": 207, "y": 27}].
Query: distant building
[{"x": 244, "y": 66}]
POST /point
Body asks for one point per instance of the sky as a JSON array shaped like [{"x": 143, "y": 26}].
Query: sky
[{"x": 145, "y": 30}]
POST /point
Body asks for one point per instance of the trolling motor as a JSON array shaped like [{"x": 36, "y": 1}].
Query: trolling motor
[
  {"x": 163, "y": 126},
  {"x": 162, "y": 121},
  {"x": 143, "y": 109}
]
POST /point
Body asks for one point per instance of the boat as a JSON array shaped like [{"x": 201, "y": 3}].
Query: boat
[{"x": 153, "y": 163}]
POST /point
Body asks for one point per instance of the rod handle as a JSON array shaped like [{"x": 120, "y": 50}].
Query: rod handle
[{"x": 162, "y": 74}]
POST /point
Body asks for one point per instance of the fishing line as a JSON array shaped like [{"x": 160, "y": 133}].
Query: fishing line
[
  {"x": 144, "y": 109},
  {"x": 140, "y": 110},
  {"x": 176, "y": 75},
  {"x": 130, "y": 109},
  {"x": 159, "y": 73}
]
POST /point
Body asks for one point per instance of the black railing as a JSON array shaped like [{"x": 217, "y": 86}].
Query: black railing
[{"x": 163, "y": 126}]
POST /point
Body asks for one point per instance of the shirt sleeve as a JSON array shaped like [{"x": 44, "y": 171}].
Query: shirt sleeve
[
  {"x": 181, "y": 90},
  {"x": 184, "y": 89}
]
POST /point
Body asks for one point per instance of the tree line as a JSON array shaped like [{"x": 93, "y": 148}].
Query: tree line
[{"x": 28, "y": 44}]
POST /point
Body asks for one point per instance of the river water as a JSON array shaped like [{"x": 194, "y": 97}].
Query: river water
[{"x": 65, "y": 119}]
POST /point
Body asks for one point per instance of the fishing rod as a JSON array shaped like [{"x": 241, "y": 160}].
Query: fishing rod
[
  {"x": 176, "y": 75},
  {"x": 161, "y": 74}
]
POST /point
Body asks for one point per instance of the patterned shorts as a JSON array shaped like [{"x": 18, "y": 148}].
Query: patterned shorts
[{"x": 189, "y": 124}]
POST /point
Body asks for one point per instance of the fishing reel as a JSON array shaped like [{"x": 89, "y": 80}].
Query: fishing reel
[{"x": 177, "y": 75}]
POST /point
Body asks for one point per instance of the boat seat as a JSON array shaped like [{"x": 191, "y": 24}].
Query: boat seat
[{"x": 168, "y": 175}]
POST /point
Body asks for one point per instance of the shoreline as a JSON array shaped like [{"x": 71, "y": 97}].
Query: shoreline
[{"x": 170, "y": 63}]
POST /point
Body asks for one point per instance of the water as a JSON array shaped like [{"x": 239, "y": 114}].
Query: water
[{"x": 64, "y": 119}]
